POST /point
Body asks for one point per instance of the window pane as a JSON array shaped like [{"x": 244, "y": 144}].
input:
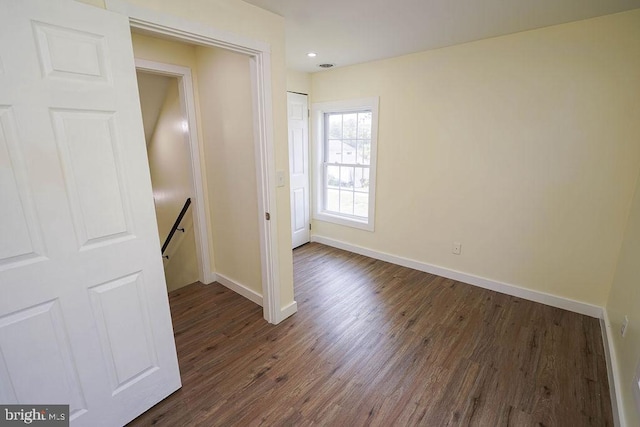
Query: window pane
[
  {"x": 346, "y": 177},
  {"x": 335, "y": 126},
  {"x": 349, "y": 152},
  {"x": 366, "y": 152},
  {"x": 335, "y": 151},
  {"x": 363, "y": 146},
  {"x": 333, "y": 176},
  {"x": 333, "y": 200},
  {"x": 360, "y": 182},
  {"x": 364, "y": 125},
  {"x": 346, "y": 202},
  {"x": 361, "y": 204},
  {"x": 350, "y": 126}
]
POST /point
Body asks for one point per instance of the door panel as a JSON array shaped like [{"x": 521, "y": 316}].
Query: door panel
[
  {"x": 52, "y": 378},
  {"x": 299, "y": 167},
  {"x": 299, "y": 197},
  {"x": 23, "y": 241},
  {"x": 126, "y": 341},
  {"x": 93, "y": 174},
  {"x": 69, "y": 53},
  {"x": 84, "y": 314}
]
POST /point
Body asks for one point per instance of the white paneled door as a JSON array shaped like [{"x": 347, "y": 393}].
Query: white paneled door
[
  {"x": 84, "y": 315},
  {"x": 299, "y": 167}
]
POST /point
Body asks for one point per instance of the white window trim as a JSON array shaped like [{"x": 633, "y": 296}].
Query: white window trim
[{"x": 318, "y": 112}]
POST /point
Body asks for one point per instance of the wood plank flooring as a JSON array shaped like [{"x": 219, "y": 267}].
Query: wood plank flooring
[{"x": 378, "y": 344}]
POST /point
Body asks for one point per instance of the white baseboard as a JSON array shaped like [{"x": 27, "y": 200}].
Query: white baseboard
[
  {"x": 287, "y": 311},
  {"x": 209, "y": 278},
  {"x": 612, "y": 370},
  {"x": 505, "y": 288},
  {"x": 238, "y": 288},
  {"x": 252, "y": 295}
]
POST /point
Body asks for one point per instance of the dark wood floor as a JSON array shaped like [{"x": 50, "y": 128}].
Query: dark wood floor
[{"x": 378, "y": 344}]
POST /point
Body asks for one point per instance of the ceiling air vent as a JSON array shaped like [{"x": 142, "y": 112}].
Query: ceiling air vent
[{"x": 325, "y": 65}]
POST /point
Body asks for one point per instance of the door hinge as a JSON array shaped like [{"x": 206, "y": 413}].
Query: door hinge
[
  {"x": 267, "y": 216},
  {"x": 309, "y": 226}
]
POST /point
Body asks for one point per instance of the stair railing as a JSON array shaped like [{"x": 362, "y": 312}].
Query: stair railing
[{"x": 187, "y": 203}]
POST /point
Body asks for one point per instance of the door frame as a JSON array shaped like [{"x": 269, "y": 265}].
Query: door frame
[
  {"x": 183, "y": 30},
  {"x": 188, "y": 110}
]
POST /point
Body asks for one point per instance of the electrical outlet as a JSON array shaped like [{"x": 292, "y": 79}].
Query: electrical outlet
[
  {"x": 457, "y": 248},
  {"x": 625, "y": 324}
]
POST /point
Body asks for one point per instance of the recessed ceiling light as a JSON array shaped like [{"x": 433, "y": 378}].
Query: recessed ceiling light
[{"x": 312, "y": 54}]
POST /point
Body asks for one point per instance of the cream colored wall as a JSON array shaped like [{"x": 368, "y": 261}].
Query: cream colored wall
[
  {"x": 169, "y": 162},
  {"x": 625, "y": 300},
  {"x": 181, "y": 268},
  {"x": 524, "y": 148},
  {"x": 166, "y": 51},
  {"x": 299, "y": 82},
  {"x": 226, "y": 104},
  {"x": 170, "y": 168}
]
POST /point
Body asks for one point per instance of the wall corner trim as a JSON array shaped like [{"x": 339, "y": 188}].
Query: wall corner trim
[
  {"x": 239, "y": 288},
  {"x": 209, "y": 277},
  {"x": 505, "y": 288},
  {"x": 613, "y": 370},
  {"x": 287, "y": 311}
]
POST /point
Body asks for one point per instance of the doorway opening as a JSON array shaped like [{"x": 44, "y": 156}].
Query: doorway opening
[
  {"x": 204, "y": 120},
  {"x": 259, "y": 55},
  {"x": 166, "y": 96}
]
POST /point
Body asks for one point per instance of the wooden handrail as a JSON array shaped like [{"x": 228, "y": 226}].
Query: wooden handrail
[{"x": 187, "y": 203}]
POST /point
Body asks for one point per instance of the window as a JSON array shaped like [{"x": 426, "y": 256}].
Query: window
[{"x": 346, "y": 134}]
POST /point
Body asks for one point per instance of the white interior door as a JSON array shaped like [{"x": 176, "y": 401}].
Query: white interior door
[
  {"x": 84, "y": 315},
  {"x": 297, "y": 108}
]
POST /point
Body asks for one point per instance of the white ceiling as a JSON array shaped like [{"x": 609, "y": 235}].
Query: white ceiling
[{"x": 346, "y": 32}]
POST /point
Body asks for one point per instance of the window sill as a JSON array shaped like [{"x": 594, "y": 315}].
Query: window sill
[{"x": 343, "y": 220}]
